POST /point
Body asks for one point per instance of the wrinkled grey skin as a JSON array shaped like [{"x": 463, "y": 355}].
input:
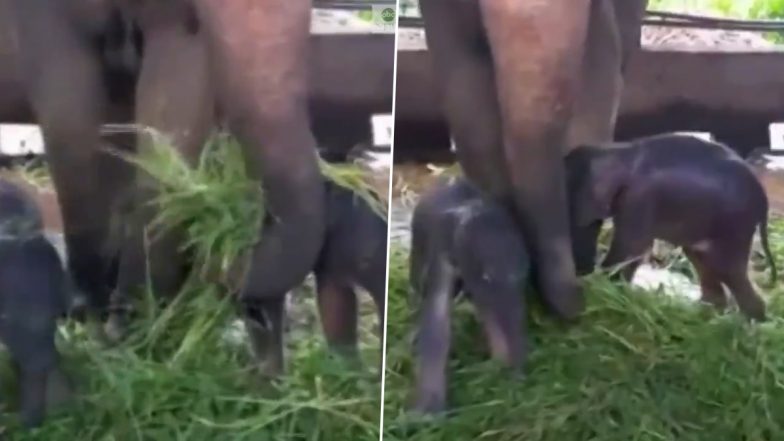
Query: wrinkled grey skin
[
  {"x": 614, "y": 31},
  {"x": 179, "y": 63},
  {"x": 522, "y": 81},
  {"x": 354, "y": 255},
  {"x": 464, "y": 242},
  {"x": 695, "y": 194},
  {"x": 33, "y": 295}
]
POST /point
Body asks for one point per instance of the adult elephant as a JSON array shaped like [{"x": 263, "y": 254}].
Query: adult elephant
[
  {"x": 247, "y": 58},
  {"x": 522, "y": 81}
]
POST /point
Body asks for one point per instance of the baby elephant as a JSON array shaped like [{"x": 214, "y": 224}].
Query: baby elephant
[
  {"x": 33, "y": 295},
  {"x": 464, "y": 242},
  {"x": 693, "y": 193},
  {"x": 354, "y": 254}
]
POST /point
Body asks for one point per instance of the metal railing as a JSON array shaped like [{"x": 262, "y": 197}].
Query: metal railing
[
  {"x": 352, "y": 5},
  {"x": 671, "y": 19}
]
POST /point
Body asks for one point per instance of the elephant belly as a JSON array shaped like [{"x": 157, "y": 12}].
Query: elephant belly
[{"x": 690, "y": 210}]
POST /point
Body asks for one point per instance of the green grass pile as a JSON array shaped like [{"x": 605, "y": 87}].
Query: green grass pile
[
  {"x": 638, "y": 366},
  {"x": 182, "y": 373},
  {"x": 216, "y": 203}
]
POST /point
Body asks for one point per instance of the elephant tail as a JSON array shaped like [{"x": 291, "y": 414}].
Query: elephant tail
[{"x": 763, "y": 230}]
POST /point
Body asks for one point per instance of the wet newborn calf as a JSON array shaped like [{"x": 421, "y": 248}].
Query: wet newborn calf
[
  {"x": 693, "y": 193},
  {"x": 462, "y": 242},
  {"x": 33, "y": 295},
  {"x": 354, "y": 254}
]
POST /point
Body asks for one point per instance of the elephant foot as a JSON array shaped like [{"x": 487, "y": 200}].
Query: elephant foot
[
  {"x": 94, "y": 327},
  {"x": 270, "y": 369},
  {"x": 269, "y": 358},
  {"x": 116, "y": 328},
  {"x": 564, "y": 297},
  {"x": 430, "y": 403},
  {"x": 264, "y": 323},
  {"x": 718, "y": 306},
  {"x": 79, "y": 308},
  {"x": 349, "y": 354}
]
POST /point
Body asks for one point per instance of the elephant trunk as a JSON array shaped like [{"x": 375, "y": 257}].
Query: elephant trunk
[
  {"x": 536, "y": 88},
  {"x": 259, "y": 59}
]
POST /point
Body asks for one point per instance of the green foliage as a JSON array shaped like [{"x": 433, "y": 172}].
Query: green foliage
[
  {"x": 217, "y": 206},
  {"x": 767, "y": 9},
  {"x": 215, "y": 202},
  {"x": 743, "y": 9},
  {"x": 638, "y": 366},
  {"x": 740, "y": 9},
  {"x": 350, "y": 177},
  {"x": 365, "y": 15}
]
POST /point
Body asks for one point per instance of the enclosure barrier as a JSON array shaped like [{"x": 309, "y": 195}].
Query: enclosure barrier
[
  {"x": 351, "y": 5},
  {"x": 671, "y": 19}
]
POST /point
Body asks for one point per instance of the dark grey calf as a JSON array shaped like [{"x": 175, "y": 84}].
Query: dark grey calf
[
  {"x": 463, "y": 242},
  {"x": 354, "y": 254},
  {"x": 33, "y": 295},
  {"x": 696, "y": 194}
]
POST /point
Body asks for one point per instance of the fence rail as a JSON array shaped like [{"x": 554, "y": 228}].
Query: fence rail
[
  {"x": 671, "y": 19},
  {"x": 352, "y": 5}
]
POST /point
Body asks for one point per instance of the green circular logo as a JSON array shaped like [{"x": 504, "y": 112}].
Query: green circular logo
[{"x": 388, "y": 15}]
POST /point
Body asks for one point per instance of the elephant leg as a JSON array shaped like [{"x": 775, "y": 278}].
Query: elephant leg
[
  {"x": 463, "y": 63},
  {"x": 264, "y": 322},
  {"x": 584, "y": 244},
  {"x": 599, "y": 95},
  {"x": 259, "y": 58},
  {"x": 32, "y": 402},
  {"x": 378, "y": 290},
  {"x": 710, "y": 284},
  {"x": 632, "y": 239},
  {"x": 58, "y": 388},
  {"x": 66, "y": 89},
  {"x": 372, "y": 277},
  {"x": 30, "y": 341},
  {"x": 749, "y": 301},
  {"x": 536, "y": 85},
  {"x": 434, "y": 338},
  {"x": 174, "y": 97},
  {"x": 39, "y": 390},
  {"x": 729, "y": 259},
  {"x": 337, "y": 304},
  {"x": 503, "y": 320}
]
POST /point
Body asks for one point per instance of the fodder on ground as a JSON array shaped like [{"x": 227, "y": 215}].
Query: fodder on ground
[{"x": 638, "y": 366}]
